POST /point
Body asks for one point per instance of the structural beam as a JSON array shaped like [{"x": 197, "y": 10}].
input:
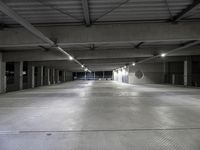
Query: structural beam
[
  {"x": 4, "y": 8},
  {"x": 187, "y": 11},
  {"x": 8, "y": 11},
  {"x": 86, "y": 12},
  {"x": 105, "y": 34},
  {"x": 85, "y": 55},
  {"x": 139, "y": 44},
  {"x": 170, "y": 52}
]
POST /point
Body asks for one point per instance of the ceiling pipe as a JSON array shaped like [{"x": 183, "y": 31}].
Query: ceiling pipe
[{"x": 8, "y": 11}]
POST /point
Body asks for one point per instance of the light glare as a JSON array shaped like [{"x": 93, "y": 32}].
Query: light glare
[{"x": 163, "y": 55}]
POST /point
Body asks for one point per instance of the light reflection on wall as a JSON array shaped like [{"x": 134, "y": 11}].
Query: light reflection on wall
[{"x": 121, "y": 75}]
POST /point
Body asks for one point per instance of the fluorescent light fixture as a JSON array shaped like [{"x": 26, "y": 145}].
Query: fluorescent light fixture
[
  {"x": 85, "y": 69},
  {"x": 82, "y": 66},
  {"x": 133, "y": 64},
  {"x": 163, "y": 55},
  {"x": 71, "y": 58}
]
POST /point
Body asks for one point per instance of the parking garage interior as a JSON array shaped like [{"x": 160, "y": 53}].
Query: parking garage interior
[{"x": 99, "y": 74}]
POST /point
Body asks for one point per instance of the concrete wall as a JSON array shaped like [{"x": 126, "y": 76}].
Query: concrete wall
[
  {"x": 146, "y": 73},
  {"x": 155, "y": 73}
]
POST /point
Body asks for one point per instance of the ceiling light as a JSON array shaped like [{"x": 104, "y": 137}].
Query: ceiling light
[
  {"x": 85, "y": 69},
  {"x": 163, "y": 55},
  {"x": 82, "y": 66},
  {"x": 133, "y": 64},
  {"x": 71, "y": 58}
]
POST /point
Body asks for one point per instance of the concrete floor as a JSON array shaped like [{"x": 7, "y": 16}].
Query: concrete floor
[{"x": 90, "y": 115}]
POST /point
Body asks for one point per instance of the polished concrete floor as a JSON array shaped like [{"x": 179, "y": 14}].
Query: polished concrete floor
[{"x": 102, "y": 115}]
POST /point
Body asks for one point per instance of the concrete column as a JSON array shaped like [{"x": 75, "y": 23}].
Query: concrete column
[
  {"x": 173, "y": 79},
  {"x": 18, "y": 75},
  {"x": 52, "y": 75},
  {"x": 2, "y": 75},
  {"x": 63, "y": 76},
  {"x": 46, "y": 76},
  {"x": 57, "y": 76},
  {"x": 31, "y": 75},
  {"x": 165, "y": 72},
  {"x": 188, "y": 71},
  {"x": 40, "y": 76}
]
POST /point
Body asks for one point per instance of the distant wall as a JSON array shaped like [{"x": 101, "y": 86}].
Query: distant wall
[
  {"x": 99, "y": 75},
  {"x": 155, "y": 73},
  {"x": 146, "y": 74}
]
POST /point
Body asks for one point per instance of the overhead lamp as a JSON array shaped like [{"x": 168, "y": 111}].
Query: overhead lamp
[
  {"x": 133, "y": 64},
  {"x": 82, "y": 66},
  {"x": 85, "y": 69},
  {"x": 163, "y": 55},
  {"x": 71, "y": 58}
]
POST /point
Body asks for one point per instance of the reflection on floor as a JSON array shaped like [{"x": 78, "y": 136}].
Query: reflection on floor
[{"x": 103, "y": 115}]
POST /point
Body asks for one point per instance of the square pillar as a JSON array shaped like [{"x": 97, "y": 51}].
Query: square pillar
[
  {"x": 165, "y": 72},
  {"x": 52, "y": 75},
  {"x": 31, "y": 75},
  {"x": 57, "y": 76},
  {"x": 46, "y": 76},
  {"x": 40, "y": 77},
  {"x": 18, "y": 75},
  {"x": 2, "y": 75},
  {"x": 63, "y": 76},
  {"x": 188, "y": 71}
]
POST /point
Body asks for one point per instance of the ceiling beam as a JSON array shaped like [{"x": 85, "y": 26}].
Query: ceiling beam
[
  {"x": 187, "y": 11},
  {"x": 86, "y": 12},
  {"x": 5, "y": 9},
  {"x": 171, "y": 52},
  {"x": 104, "y": 34},
  {"x": 8, "y": 11},
  {"x": 139, "y": 44}
]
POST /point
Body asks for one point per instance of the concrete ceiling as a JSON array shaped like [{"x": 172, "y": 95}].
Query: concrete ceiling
[{"x": 103, "y": 35}]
